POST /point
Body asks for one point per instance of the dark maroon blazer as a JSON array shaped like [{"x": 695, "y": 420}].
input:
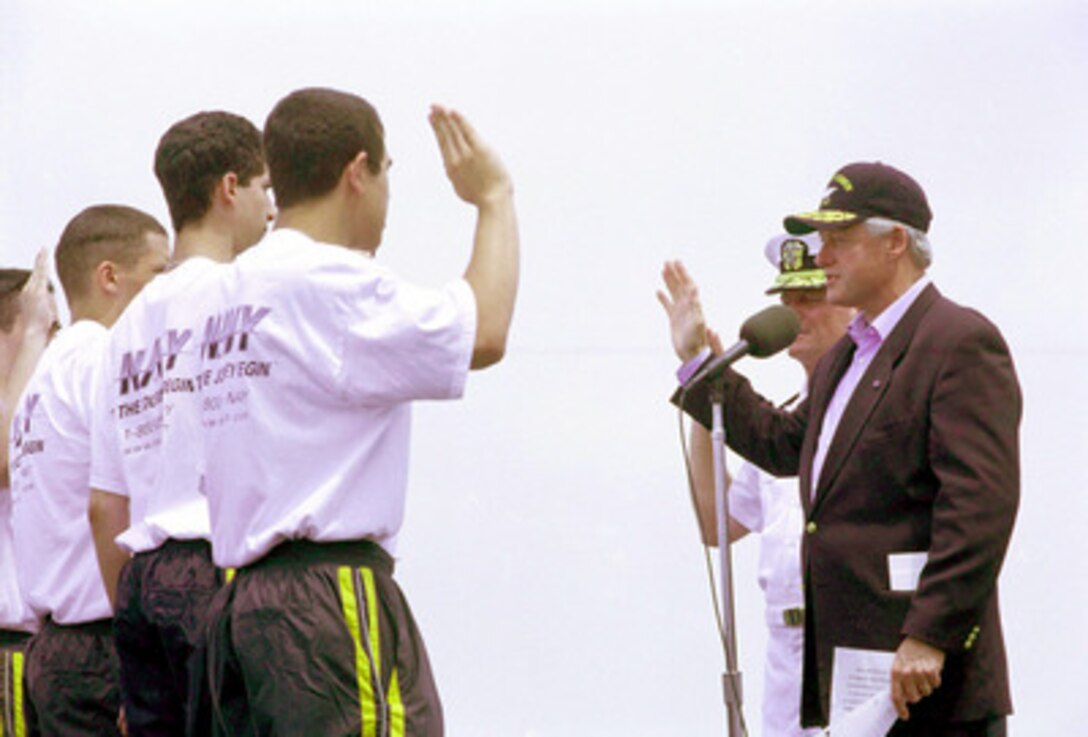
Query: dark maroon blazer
[{"x": 925, "y": 459}]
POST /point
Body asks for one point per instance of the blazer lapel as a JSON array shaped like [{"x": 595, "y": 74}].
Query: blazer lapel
[
  {"x": 824, "y": 380},
  {"x": 868, "y": 394}
]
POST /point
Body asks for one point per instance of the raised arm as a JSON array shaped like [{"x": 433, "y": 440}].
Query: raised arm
[
  {"x": 702, "y": 476},
  {"x": 38, "y": 310},
  {"x": 769, "y": 437},
  {"x": 479, "y": 178},
  {"x": 684, "y": 310}
]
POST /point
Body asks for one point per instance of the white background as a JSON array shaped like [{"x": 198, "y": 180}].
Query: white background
[{"x": 549, "y": 551}]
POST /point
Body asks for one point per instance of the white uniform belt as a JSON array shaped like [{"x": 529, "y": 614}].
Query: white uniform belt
[{"x": 785, "y": 616}]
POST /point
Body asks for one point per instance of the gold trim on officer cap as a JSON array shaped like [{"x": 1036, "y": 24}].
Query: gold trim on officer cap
[{"x": 795, "y": 258}]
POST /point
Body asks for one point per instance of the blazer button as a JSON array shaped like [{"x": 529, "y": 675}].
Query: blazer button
[
  {"x": 810, "y": 528},
  {"x": 971, "y": 637}
]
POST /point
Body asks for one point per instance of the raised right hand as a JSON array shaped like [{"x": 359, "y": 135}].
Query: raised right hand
[
  {"x": 689, "y": 333},
  {"x": 476, "y": 172},
  {"x": 36, "y": 302}
]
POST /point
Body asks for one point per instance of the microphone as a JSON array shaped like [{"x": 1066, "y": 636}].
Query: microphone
[{"x": 763, "y": 334}]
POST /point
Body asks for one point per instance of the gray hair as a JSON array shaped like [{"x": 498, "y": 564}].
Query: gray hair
[{"x": 920, "y": 250}]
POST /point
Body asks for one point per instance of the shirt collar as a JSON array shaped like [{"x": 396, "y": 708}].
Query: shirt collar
[{"x": 864, "y": 333}]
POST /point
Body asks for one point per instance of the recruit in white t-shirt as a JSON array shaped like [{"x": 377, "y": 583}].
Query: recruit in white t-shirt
[
  {"x": 14, "y": 612},
  {"x": 50, "y": 472},
  {"x": 310, "y": 364},
  {"x": 149, "y": 441}
]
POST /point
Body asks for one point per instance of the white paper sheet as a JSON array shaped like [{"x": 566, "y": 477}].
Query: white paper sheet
[
  {"x": 856, "y": 676},
  {"x": 904, "y": 570},
  {"x": 873, "y": 718}
]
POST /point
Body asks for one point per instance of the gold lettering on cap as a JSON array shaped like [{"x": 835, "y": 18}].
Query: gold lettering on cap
[{"x": 828, "y": 216}]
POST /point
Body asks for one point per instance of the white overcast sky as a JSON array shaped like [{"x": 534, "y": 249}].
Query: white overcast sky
[{"x": 549, "y": 551}]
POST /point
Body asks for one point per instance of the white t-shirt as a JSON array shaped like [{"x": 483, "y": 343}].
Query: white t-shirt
[
  {"x": 310, "y": 364},
  {"x": 149, "y": 441},
  {"x": 50, "y": 471},
  {"x": 14, "y": 612}
]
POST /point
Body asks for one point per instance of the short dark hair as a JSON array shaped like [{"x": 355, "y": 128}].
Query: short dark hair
[
  {"x": 100, "y": 233},
  {"x": 312, "y": 134},
  {"x": 12, "y": 282},
  {"x": 197, "y": 152}
]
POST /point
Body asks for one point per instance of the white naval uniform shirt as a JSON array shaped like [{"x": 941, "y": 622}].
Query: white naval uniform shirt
[
  {"x": 148, "y": 441},
  {"x": 50, "y": 472},
  {"x": 310, "y": 365},
  {"x": 772, "y": 507}
]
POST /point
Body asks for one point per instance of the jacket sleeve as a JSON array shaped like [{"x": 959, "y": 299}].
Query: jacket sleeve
[
  {"x": 765, "y": 435},
  {"x": 974, "y": 455}
]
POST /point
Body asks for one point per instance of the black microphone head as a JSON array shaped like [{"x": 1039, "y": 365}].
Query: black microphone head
[{"x": 770, "y": 330}]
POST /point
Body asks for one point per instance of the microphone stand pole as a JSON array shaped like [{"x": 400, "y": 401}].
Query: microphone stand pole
[{"x": 731, "y": 679}]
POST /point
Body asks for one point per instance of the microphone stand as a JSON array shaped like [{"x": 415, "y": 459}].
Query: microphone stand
[{"x": 731, "y": 679}]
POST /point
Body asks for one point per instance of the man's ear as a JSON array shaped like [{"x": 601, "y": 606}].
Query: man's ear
[
  {"x": 105, "y": 277},
  {"x": 356, "y": 172},
  {"x": 226, "y": 189},
  {"x": 898, "y": 242}
]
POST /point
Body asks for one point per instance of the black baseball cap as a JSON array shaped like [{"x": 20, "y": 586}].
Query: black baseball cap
[{"x": 861, "y": 191}]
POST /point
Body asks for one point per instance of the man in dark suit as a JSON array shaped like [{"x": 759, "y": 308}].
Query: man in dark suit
[{"x": 907, "y": 451}]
